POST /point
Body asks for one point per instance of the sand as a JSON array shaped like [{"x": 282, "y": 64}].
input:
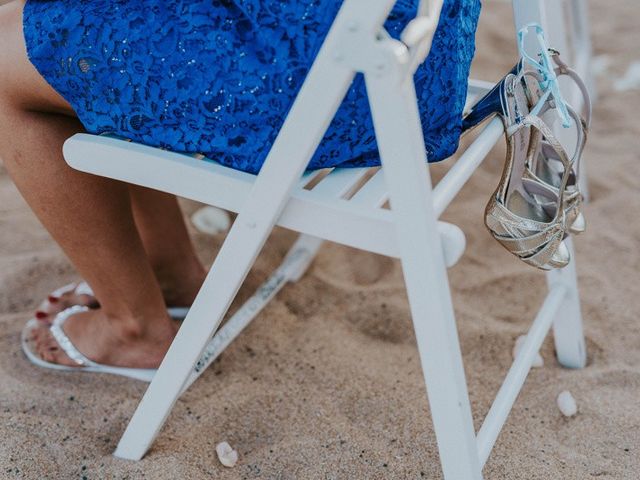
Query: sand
[{"x": 326, "y": 383}]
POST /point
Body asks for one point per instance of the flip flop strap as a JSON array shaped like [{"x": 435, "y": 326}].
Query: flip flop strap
[
  {"x": 81, "y": 288},
  {"x": 63, "y": 341}
]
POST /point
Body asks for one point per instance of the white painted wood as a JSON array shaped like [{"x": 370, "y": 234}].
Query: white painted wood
[
  {"x": 316, "y": 104},
  {"x": 568, "y": 332},
  {"x": 449, "y": 186},
  {"x": 582, "y": 61},
  {"x": 373, "y": 194},
  {"x": 339, "y": 182},
  {"x": 292, "y": 268},
  {"x": 583, "y": 49},
  {"x": 340, "y": 221},
  {"x": 179, "y": 174},
  {"x": 418, "y": 34},
  {"x": 513, "y": 382},
  {"x": 399, "y": 134}
]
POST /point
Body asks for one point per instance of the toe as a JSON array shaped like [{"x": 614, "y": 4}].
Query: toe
[
  {"x": 43, "y": 315},
  {"x": 40, "y": 344},
  {"x": 61, "y": 358},
  {"x": 83, "y": 299},
  {"x": 37, "y": 333},
  {"x": 48, "y": 349},
  {"x": 47, "y": 310},
  {"x": 58, "y": 301}
]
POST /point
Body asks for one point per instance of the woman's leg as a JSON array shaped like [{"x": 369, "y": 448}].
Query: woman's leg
[
  {"x": 90, "y": 217},
  {"x": 168, "y": 246}
]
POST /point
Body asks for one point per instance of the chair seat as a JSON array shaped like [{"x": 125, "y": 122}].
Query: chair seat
[{"x": 347, "y": 206}]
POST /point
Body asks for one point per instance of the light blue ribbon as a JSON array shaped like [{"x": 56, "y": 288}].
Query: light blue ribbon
[{"x": 549, "y": 83}]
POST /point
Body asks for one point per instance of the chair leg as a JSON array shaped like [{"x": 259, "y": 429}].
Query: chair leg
[
  {"x": 569, "y": 339},
  {"x": 228, "y": 272},
  {"x": 296, "y": 142},
  {"x": 300, "y": 256},
  {"x": 567, "y": 326},
  {"x": 293, "y": 267},
  {"x": 582, "y": 47},
  {"x": 402, "y": 150},
  {"x": 218, "y": 290}
]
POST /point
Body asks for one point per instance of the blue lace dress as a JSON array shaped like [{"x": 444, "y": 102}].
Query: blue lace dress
[{"x": 219, "y": 76}]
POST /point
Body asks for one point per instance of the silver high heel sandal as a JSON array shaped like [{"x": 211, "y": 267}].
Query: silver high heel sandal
[
  {"x": 544, "y": 169},
  {"x": 514, "y": 214}
]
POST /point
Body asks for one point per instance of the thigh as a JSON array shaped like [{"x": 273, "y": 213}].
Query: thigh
[{"x": 20, "y": 82}]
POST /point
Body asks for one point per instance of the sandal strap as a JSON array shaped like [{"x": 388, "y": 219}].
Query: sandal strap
[
  {"x": 546, "y": 132},
  {"x": 543, "y": 256},
  {"x": 509, "y": 219},
  {"x": 532, "y": 243},
  {"x": 582, "y": 124},
  {"x": 581, "y": 127},
  {"x": 554, "y": 143},
  {"x": 564, "y": 69},
  {"x": 523, "y": 243},
  {"x": 526, "y": 234},
  {"x": 63, "y": 341}
]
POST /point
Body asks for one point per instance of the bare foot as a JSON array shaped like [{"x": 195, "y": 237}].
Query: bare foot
[
  {"x": 109, "y": 341},
  {"x": 180, "y": 290},
  {"x": 177, "y": 293}
]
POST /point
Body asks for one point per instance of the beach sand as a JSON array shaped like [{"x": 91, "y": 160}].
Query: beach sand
[{"x": 326, "y": 383}]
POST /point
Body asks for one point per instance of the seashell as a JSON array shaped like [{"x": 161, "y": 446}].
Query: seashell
[
  {"x": 227, "y": 455},
  {"x": 211, "y": 220},
  {"x": 567, "y": 404},
  {"x": 538, "y": 361},
  {"x": 630, "y": 80}
]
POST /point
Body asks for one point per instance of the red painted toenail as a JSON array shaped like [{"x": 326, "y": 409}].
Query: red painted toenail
[
  {"x": 40, "y": 314},
  {"x": 53, "y": 299}
]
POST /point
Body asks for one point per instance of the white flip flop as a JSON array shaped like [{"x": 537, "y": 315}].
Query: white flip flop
[
  {"x": 178, "y": 313},
  {"x": 83, "y": 288},
  {"x": 84, "y": 364}
]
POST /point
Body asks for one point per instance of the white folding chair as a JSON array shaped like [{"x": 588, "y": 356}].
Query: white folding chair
[{"x": 345, "y": 206}]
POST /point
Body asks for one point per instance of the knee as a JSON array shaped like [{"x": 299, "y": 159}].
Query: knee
[
  {"x": 21, "y": 85},
  {"x": 12, "y": 48}
]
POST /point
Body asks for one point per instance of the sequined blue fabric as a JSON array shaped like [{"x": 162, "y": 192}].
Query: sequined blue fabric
[{"x": 218, "y": 77}]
